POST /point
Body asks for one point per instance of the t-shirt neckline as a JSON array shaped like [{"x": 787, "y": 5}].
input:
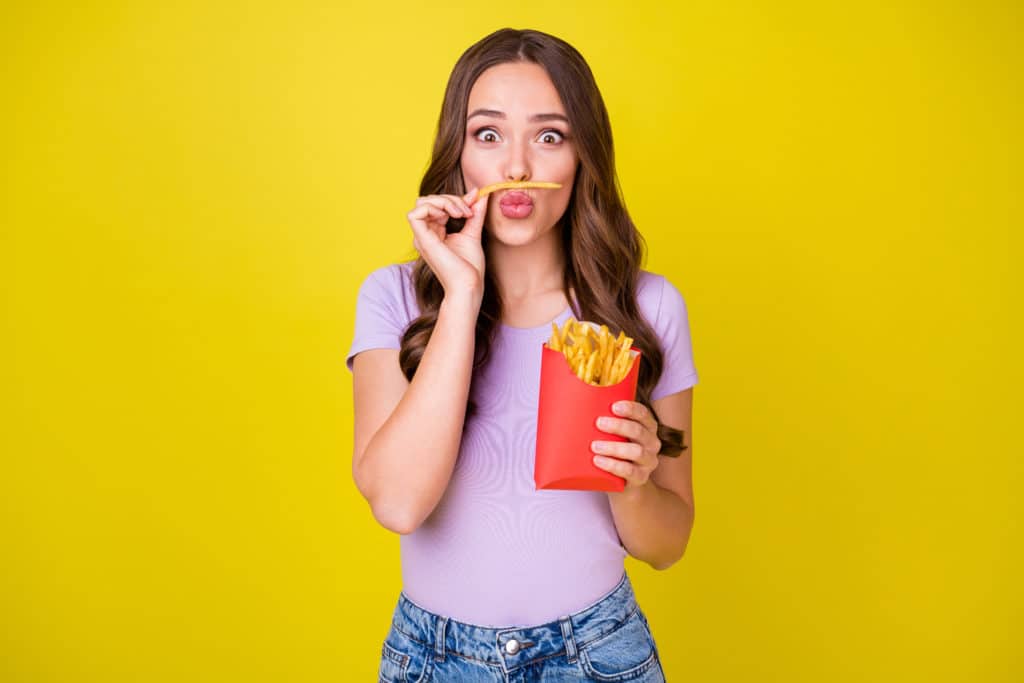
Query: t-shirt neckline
[{"x": 560, "y": 318}]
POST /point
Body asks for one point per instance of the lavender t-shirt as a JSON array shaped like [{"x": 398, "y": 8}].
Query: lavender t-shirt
[{"x": 496, "y": 551}]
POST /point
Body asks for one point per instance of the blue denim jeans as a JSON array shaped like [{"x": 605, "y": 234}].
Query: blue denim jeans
[{"x": 608, "y": 641}]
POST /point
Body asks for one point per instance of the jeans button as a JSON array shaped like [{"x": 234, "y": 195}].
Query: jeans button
[{"x": 512, "y": 646}]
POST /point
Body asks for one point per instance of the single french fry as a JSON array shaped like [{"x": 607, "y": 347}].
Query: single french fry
[
  {"x": 555, "y": 344},
  {"x": 619, "y": 353},
  {"x": 516, "y": 186},
  {"x": 588, "y": 374},
  {"x": 614, "y": 373},
  {"x": 580, "y": 367},
  {"x": 627, "y": 344},
  {"x": 606, "y": 371},
  {"x": 579, "y": 339},
  {"x": 621, "y": 360}
]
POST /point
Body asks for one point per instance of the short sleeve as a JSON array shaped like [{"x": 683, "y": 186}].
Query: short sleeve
[
  {"x": 380, "y": 315},
  {"x": 673, "y": 328}
]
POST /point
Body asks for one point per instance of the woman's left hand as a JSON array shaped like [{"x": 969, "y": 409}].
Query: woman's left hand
[{"x": 635, "y": 459}]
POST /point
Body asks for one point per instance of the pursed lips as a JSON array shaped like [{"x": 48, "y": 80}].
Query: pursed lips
[{"x": 515, "y": 197}]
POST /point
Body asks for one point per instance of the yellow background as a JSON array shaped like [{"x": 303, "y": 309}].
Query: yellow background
[{"x": 193, "y": 192}]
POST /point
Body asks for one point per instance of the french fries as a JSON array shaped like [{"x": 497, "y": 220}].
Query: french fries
[
  {"x": 595, "y": 357},
  {"x": 523, "y": 184}
]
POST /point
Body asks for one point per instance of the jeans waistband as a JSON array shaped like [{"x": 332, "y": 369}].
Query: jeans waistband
[{"x": 514, "y": 647}]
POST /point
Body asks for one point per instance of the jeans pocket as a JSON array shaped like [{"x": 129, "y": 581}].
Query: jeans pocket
[
  {"x": 624, "y": 654},
  {"x": 403, "y": 660},
  {"x": 393, "y": 665}
]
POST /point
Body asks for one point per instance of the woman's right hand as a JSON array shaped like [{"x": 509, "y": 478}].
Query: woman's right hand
[{"x": 457, "y": 259}]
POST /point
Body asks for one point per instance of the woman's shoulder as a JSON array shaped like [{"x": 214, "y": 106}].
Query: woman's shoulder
[
  {"x": 392, "y": 284},
  {"x": 657, "y": 295},
  {"x": 392, "y": 274},
  {"x": 648, "y": 283},
  {"x": 393, "y": 280},
  {"x": 649, "y": 288}
]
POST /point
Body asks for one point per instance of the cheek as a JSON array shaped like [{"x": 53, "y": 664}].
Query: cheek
[
  {"x": 472, "y": 169},
  {"x": 564, "y": 170},
  {"x": 570, "y": 166},
  {"x": 565, "y": 174}
]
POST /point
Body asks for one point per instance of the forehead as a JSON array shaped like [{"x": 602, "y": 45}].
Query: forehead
[{"x": 519, "y": 87}]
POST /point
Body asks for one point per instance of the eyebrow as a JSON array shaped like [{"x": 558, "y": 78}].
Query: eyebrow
[{"x": 501, "y": 115}]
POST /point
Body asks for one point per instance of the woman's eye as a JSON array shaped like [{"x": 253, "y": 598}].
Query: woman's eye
[
  {"x": 551, "y": 136},
  {"x": 482, "y": 134}
]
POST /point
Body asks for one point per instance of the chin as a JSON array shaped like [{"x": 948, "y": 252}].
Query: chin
[{"x": 513, "y": 236}]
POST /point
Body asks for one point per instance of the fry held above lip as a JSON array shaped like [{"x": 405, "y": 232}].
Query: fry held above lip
[{"x": 521, "y": 185}]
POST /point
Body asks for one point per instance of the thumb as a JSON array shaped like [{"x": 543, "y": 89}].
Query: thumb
[{"x": 474, "y": 225}]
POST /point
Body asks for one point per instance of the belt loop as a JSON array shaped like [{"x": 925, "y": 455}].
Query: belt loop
[
  {"x": 442, "y": 623},
  {"x": 570, "y": 640}
]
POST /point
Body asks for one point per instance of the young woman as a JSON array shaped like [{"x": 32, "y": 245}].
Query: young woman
[{"x": 503, "y": 582}]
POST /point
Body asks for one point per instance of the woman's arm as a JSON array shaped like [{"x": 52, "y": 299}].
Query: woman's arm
[
  {"x": 654, "y": 523},
  {"x": 654, "y": 518},
  {"x": 407, "y": 435}
]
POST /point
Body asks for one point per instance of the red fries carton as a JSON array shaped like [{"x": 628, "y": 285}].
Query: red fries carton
[{"x": 567, "y": 424}]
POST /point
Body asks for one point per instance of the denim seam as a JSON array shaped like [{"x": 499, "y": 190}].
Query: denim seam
[
  {"x": 396, "y": 656},
  {"x": 626, "y": 675},
  {"x": 482, "y": 661},
  {"x": 629, "y": 674},
  {"x": 613, "y": 629},
  {"x": 569, "y": 636},
  {"x": 558, "y": 655},
  {"x": 439, "y": 639},
  {"x": 447, "y": 652}
]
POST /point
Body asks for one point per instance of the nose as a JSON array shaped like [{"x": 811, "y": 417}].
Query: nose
[{"x": 517, "y": 165}]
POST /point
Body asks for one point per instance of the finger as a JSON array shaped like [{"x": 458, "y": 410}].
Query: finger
[
  {"x": 418, "y": 218},
  {"x": 474, "y": 226},
  {"x": 455, "y": 206},
  {"x": 447, "y": 202},
  {"x": 629, "y": 428},
  {"x": 626, "y": 470},
  {"x": 461, "y": 203},
  {"x": 417, "y": 215},
  {"x": 424, "y": 211},
  {"x": 428, "y": 242},
  {"x": 636, "y": 411},
  {"x": 637, "y": 433},
  {"x": 627, "y": 450}
]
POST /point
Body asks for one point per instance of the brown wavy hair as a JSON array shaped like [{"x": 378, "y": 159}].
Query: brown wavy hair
[{"x": 604, "y": 250}]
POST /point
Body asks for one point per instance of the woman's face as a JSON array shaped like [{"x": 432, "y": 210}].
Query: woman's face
[{"x": 516, "y": 129}]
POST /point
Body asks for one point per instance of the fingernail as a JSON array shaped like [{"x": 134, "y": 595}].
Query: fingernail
[{"x": 604, "y": 422}]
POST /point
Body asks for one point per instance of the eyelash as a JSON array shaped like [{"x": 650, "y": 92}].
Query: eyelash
[{"x": 477, "y": 132}]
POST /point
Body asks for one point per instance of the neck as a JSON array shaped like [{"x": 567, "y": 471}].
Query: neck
[{"x": 522, "y": 272}]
